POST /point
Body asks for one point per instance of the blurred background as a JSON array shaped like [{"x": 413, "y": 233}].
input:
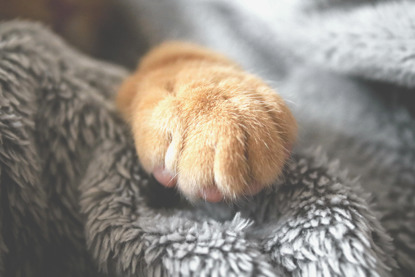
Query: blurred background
[
  {"x": 121, "y": 31},
  {"x": 96, "y": 27}
]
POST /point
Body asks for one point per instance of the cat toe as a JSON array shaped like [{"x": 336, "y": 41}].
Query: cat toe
[{"x": 164, "y": 177}]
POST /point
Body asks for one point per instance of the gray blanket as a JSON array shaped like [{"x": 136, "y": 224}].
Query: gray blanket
[{"x": 75, "y": 202}]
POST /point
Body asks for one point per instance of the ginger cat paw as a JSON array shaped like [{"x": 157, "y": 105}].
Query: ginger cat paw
[{"x": 204, "y": 125}]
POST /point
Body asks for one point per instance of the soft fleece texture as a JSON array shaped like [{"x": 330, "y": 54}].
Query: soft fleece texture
[{"x": 75, "y": 202}]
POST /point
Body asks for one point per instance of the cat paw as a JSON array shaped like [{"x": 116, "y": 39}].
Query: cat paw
[{"x": 216, "y": 140}]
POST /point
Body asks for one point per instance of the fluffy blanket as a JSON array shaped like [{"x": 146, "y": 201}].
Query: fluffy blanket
[{"x": 75, "y": 202}]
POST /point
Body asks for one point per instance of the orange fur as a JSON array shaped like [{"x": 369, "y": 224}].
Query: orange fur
[{"x": 205, "y": 120}]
